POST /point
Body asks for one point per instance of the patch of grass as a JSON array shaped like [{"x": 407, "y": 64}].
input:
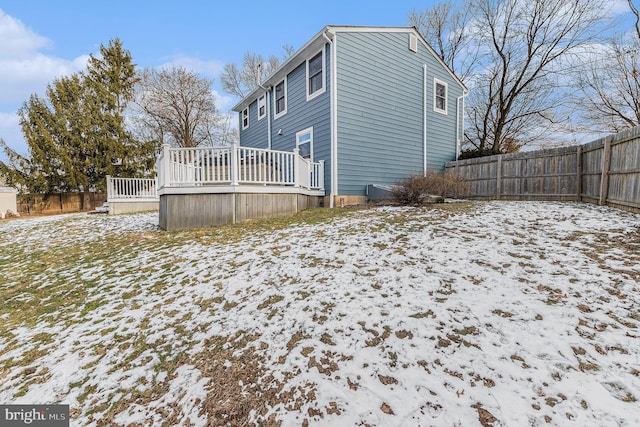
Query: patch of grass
[
  {"x": 468, "y": 330},
  {"x": 402, "y": 334},
  {"x": 502, "y": 313},
  {"x": 327, "y": 339},
  {"x": 588, "y": 366},
  {"x": 443, "y": 342},
  {"x": 229, "y": 305},
  {"x": 271, "y": 299},
  {"x": 422, "y": 315}
]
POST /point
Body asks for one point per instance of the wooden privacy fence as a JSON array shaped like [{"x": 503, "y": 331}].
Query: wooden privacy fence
[
  {"x": 605, "y": 171},
  {"x": 42, "y": 204}
]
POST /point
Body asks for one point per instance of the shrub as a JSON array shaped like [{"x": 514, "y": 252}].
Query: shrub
[{"x": 419, "y": 189}]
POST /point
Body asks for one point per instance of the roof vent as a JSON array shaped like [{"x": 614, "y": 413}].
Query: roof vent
[{"x": 413, "y": 43}]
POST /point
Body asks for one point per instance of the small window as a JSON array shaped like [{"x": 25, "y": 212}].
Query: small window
[
  {"x": 315, "y": 75},
  {"x": 304, "y": 143},
  {"x": 280, "y": 99},
  {"x": 262, "y": 107},
  {"x": 245, "y": 118},
  {"x": 440, "y": 96}
]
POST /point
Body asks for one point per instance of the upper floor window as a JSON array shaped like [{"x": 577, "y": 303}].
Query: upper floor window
[
  {"x": 262, "y": 107},
  {"x": 280, "y": 99},
  {"x": 440, "y": 96},
  {"x": 315, "y": 75},
  {"x": 245, "y": 118}
]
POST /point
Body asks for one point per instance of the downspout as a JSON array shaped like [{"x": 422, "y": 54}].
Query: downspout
[
  {"x": 334, "y": 122},
  {"x": 424, "y": 119}
]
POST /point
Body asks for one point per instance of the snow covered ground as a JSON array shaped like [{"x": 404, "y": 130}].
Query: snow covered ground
[{"x": 496, "y": 313}]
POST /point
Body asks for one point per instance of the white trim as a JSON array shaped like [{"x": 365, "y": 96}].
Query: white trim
[
  {"x": 242, "y": 118},
  {"x": 437, "y": 82},
  {"x": 277, "y": 115},
  {"x": 334, "y": 120},
  {"x": 425, "y": 110},
  {"x": 264, "y": 102},
  {"x": 133, "y": 200},
  {"x": 413, "y": 43},
  {"x": 229, "y": 189},
  {"x": 323, "y": 89},
  {"x": 307, "y": 131},
  {"x": 269, "y": 119}
]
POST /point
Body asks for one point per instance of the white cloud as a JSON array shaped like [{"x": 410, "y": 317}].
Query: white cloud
[
  {"x": 24, "y": 69},
  {"x": 620, "y": 7},
  {"x": 224, "y": 102},
  {"x": 16, "y": 40}
]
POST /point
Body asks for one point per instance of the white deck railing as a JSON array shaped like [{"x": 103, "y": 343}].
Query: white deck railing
[
  {"x": 235, "y": 165},
  {"x": 131, "y": 188}
]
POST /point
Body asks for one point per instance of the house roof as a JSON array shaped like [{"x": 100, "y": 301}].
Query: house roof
[{"x": 315, "y": 43}]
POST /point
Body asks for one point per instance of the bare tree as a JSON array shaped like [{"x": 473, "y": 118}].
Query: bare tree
[
  {"x": 242, "y": 81},
  {"x": 176, "y": 106},
  {"x": 255, "y": 69},
  {"x": 226, "y": 132},
  {"x": 516, "y": 75},
  {"x": 446, "y": 28},
  {"x": 527, "y": 42},
  {"x": 610, "y": 82}
]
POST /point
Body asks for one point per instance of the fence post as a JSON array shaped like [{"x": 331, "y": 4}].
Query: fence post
[
  {"x": 604, "y": 178},
  {"x": 235, "y": 163},
  {"x": 499, "y": 177},
  {"x": 164, "y": 169},
  {"x": 321, "y": 175},
  {"x": 579, "y": 172},
  {"x": 296, "y": 167},
  {"x": 109, "y": 187}
]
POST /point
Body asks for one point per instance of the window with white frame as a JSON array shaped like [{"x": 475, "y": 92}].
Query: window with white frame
[
  {"x": 315, "y": 75},
  {"x": 245, "y": 118},
  {"x": 280, "y": 99},
  {"x": 304, "y": 143},
  {"x": 262, "y": 107},
  {"x": 440, "y": 94}
]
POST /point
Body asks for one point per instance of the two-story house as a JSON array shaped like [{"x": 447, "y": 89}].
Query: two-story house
[{"x": 375, "y": 103}]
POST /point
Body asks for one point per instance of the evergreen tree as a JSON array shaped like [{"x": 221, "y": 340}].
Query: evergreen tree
[{"x": 77, "y": 134}]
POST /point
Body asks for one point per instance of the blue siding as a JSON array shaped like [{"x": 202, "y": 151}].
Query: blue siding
[
  {"x": 256, "y": 134},
  {"x": 302, "y": 114},
  {"x": 380, "y": 110}
]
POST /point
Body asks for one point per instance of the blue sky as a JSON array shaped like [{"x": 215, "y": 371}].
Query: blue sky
[{"x": 44, "y": 39}]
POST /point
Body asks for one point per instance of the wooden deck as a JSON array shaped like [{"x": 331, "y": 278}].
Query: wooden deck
[{"x": 200, "y": 187}]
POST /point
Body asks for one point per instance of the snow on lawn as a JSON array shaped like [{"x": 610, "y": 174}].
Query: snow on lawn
[{"x": 497, "y": 313}]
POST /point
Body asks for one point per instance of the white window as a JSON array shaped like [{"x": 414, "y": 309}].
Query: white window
[
  {"x": 304, "y": 143},
  {"x": 245, "y": 118},
  {"x": 440, "y": 90},
  {"x": 315, "y": 75},
  {"x": 280, "y": 99},
  {"x": 262, "y": 107}
]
